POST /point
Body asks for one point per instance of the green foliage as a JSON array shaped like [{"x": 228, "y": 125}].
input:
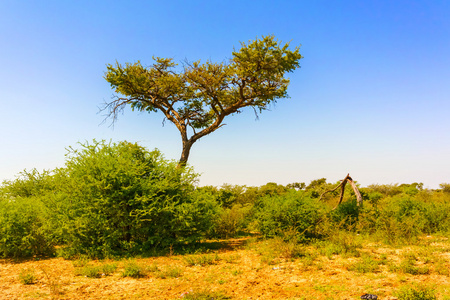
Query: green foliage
[
  {"x": 134, "y": 270},
  {"x": 314, "y": 184},
  {"x": 445, "y": 187},
  {"x": 259, "y": 66},
  {"x": 201, "y": 95},
  {"x": 231, "y": 259},
  {"x": 169, "y": 272},
  {"x": 408, "y": 266},
  {"x": 367, "y": 264},
  {"x": 204, "y": 295},
  {"x": 108, "y": 269},
  {"x": 289, "y": 212},
  {"x": 404, "y": 218},
  {"x": 228, "y": 195},
  {"x": 97, "y": 271},
  {"x": 347, "y": 212},
  {"x": 385, "y": 189},
  {"x": 27, "y": 276},
  {"x": 271, "y": 189},
  {"x": 337, "y": 239},
  {"x": 109, "y": 199},
  {"x": 24, "y": 227},
  {"x": 296, "y": 185},
  {"x": 418, "y": 292},
  {"x": 121, "y": 198},
  {"x": 318, "y": 186},
  {"x": 231, "y": 221},
  {"x": 201, "y": 260},
  {"x": 441, "y": 267},
  {"x": 91, "y": 271}
]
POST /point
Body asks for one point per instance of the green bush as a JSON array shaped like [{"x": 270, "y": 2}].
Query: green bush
[
  {"x": 91, "y": 271},
  {"x": 134, "y": 270},
  {"x": 121, "y": 198},
  {"x": 291, "y": 212},
  {"x": 27, "y": 276},
  {"x": 403, "y": 218},
  {"x": 97, "y": 271},
  {"x": 445, "y": 187},
  {"x": 416, "y": 293},
  {"x": 346, "y": 213},
  {"x": 24, "y": 228},
  {"x": 109, "y": 199},
  {"x": 231, "y": 221}
]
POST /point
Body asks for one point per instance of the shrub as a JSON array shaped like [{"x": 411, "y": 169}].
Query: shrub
[
  {"x": 91, "y": 271},
  {"x": 27, "y": 276},
  {"x": 346, "y": 213},
  {"x": 367, "y": 264},
  {"x": 385, "y": 189},
  {"x": 289, "y": 212},
  {"x": 24, "y": 228},
  {"x": 416, "y": 293},
  {"x": 121, "y": 198},
  {"x": 337, "y": 241},
  {"x": 445, "y": 187},
  {"x": 97, "y": 271},
  {"x": 109, "y": 199},
  {"x": 231, "y": 221},
  {"x": 408, "y": 266},
  {"x": 134, "y": 270},
  {"x": 404, "y": 218}
]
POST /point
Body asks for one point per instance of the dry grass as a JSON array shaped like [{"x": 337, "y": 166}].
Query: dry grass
[{"x": 263, "y": 270}]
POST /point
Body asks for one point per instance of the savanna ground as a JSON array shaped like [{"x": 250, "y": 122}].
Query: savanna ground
[{"x": 246, "y": 268}]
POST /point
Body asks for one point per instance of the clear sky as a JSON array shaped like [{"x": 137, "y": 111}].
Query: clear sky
[{"x": 372, "y": 97}]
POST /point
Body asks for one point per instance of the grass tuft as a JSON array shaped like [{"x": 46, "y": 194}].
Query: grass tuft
[
  {"x": 204, "y": 295},
  {"x": 27, "y": 276},
  {"x": 367, "y": 264},
  {"x": 169, "y": 272},
  {"x": 417, "y": 292},
  {"x": 201, "y": 260},
  {"x": 134, "y": 270}
]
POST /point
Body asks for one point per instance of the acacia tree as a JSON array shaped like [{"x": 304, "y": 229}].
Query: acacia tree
[{"x": 199, "y": 97}]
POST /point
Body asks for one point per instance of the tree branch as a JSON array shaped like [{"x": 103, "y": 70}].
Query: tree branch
[{"x": 342, "y": 186}]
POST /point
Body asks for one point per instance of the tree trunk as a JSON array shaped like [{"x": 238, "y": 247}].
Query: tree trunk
[
  {"x": 187, "y": 145},
  {"x": 342, "y": 186},
  {"x": 357, "y": 193}
]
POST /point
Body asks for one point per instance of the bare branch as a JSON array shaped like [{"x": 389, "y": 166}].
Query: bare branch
[
  {"x": 114, "y": 108},
  {"x": 342, "y": 186}
]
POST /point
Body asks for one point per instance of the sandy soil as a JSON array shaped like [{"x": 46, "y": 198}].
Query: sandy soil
[{"x": 241, "y": 273}]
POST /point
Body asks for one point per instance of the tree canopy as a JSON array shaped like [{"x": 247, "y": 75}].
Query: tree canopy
[{"x": 198, "y": 96}]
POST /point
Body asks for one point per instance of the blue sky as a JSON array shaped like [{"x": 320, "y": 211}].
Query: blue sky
[{"x": 372, "y": 96}]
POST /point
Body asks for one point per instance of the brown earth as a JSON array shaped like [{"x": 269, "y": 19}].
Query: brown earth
[{"x": 239, "y": 272}]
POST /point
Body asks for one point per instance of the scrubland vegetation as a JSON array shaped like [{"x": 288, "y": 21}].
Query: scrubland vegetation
[{"x": 118, "y": 211}]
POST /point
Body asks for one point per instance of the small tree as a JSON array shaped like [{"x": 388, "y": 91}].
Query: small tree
[{"x": 198, "y": 98}]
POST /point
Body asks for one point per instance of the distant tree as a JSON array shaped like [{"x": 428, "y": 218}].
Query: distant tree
[
  {"x": 445, "y": 187},
  {"x": 296, "y": 185},
  {"x": 199, "y": 97},
  {"x": 316, "y": 183}
]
